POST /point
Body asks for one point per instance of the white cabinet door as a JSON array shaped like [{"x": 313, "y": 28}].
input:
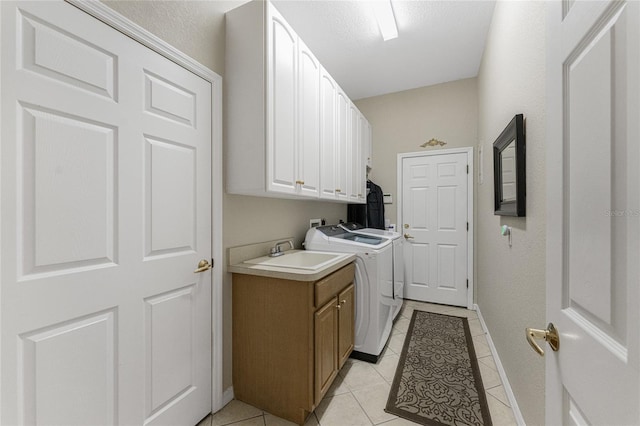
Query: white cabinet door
[
  {"x": 327, "y": 135},
  {"x": 355, "y": 155},
  {"x": 364, "y": 138},
  {"x": 282, "y": 53},
  {"x": 308, "y": 145},
  {"x": 106, "y": 211},
  {"x": 367, "y": 144},
  {"x": 343, "y": 167}
]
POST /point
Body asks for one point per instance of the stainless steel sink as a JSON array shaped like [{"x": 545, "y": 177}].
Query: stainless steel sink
[{"x": 304, "y": 259}]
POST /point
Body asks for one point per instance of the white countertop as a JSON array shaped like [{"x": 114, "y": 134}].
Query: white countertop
[{"x": 293, "y": 274}]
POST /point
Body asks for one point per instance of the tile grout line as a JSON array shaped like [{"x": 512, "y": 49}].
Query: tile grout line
[
  {"x": 362, "y": 408},
  {"x": 499, "y": 400}
]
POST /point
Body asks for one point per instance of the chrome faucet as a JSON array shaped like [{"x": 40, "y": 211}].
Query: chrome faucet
[{"x": 276, "y": 251}]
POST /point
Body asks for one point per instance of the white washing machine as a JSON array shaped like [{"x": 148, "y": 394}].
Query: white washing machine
[
  {"x": 398, "y": 258},
  {"x": 373, "y": 284}
]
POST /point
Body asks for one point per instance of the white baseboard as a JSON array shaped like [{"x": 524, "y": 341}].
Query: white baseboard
[
  {"x": 503, "y": 375},
  {"x": 227, "y": 396}
]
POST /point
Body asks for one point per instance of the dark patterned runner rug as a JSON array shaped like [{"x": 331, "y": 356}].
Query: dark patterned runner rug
[{"x": 438, "y": 380}]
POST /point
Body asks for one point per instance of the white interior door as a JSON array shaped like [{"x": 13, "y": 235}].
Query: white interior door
[
  {"x": 434, "y": 223},
  {"x": 106, "y": 211},
  {"x": 593, "y": 220}
]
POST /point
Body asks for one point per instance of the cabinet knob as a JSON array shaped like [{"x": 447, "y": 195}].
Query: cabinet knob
[
  {"x": 338, "y": 306},
  {"x": 343, "y": 302}
]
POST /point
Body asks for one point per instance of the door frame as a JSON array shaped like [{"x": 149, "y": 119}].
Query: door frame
[
  {"x": 120, "y": 23},
  {"x": 470, "y": 208}
]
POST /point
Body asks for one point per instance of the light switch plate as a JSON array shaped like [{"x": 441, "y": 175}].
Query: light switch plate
[{"x": 313, "y": 223}]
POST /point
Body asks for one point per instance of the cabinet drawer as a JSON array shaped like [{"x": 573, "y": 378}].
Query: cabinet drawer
[{"x": 328, "y": 287}]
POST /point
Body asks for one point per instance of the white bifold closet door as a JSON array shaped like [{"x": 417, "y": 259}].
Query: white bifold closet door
[{"x": 106, "y": 212}]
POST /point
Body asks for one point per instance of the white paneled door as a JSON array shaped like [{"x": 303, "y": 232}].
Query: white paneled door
[
  {"x": 106, "y": 212},
  {"x": 434, "y": 224},
  {"x": 593, "y": 219}
]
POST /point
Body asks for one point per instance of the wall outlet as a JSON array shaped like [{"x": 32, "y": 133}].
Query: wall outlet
[{"x": 313, "y": 223}]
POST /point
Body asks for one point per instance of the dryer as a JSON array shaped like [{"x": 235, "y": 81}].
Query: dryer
[
  {"x": 374, "y": 291},
  {"x": 398, "y": 258}
]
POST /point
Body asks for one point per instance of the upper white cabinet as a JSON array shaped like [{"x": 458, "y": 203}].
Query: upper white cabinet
[
  {"x": 328, "y": 132},
  {"x": 344, "y": 166},
  {"x": 368, "y": 139},
  {"x": 308, "y": 122},
  {"x": 289, "y": 126},
  {"x": 282, "y": 94},
  {"x": 357, "y": 183}
]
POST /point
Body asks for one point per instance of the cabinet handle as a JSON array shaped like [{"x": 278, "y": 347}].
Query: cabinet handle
[
  {"x": 299, "y": 182},
  {"x": 359, "y": 195},
  {"x": 338, "y": 306},
  {"x": 338, "y": 190},
  {"x": 343, "y": 302}
]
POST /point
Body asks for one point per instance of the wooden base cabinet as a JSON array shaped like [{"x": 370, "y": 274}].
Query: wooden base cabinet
[
  {"x": 290, "y": 338},
  {"x": 346, "y": 322}
]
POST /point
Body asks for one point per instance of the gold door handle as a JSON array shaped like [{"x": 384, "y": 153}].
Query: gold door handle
[
  {"x": 203, "y": 265},
  {"x": 408, "y": 237},
  {"x": 550, "y": 335}
]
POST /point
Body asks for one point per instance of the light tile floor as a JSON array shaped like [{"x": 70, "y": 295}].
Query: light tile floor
[{"x": 359, "y": 394}]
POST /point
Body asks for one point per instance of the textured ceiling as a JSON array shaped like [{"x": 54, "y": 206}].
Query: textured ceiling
[{"x": 438, "y": 41}]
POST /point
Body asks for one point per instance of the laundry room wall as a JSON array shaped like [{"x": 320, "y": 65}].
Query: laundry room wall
[
  {"x": 403, "y": 121},
  {"x": 511, "y": 280},
  {"x": 197, "y": 28}
]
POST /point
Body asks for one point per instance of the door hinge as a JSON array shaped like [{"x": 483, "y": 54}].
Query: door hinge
[
  {"x": 467, "y": 169},
  {"x": 467, "y": 226},
  {"x": 467, "y": 283},
  {"x": 212, "y": 263}
]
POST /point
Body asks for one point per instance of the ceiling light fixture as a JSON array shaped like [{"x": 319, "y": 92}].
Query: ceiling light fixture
[{"x": 386, "y": 21}]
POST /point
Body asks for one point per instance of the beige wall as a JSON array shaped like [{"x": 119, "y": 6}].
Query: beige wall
[
  {"x": 197, "y": 28},
  {"x": 511, "y": 281},
  {"x": 403, "y": 121}
]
